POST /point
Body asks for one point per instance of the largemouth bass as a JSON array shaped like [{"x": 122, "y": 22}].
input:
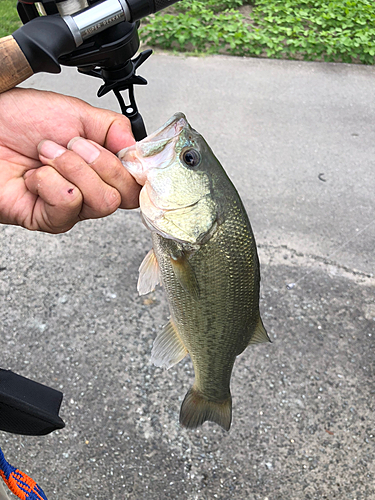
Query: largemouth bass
[{"x": 204, "y": 254}]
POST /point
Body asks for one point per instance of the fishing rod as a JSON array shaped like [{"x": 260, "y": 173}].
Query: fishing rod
[{"x": 99, "y": 37}]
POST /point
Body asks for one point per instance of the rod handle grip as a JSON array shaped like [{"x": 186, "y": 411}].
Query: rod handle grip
[{"x": 14, "y": 67}]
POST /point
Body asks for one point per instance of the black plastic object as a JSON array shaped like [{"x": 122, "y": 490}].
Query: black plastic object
[
  {"x": 27, "y": 407},
  {"x": 107, "y": 54},
  {"x": 120, "y": 78},
  {"x": 142, "y": 8},
  {"x": 43, "y": 40}
]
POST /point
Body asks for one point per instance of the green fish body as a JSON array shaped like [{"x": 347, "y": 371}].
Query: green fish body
[{"x": 204, "y": 255}]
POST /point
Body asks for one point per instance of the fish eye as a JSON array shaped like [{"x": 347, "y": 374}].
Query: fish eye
[{"x": 191, "y": 158}]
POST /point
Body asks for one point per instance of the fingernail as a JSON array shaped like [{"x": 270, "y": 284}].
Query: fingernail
[
  {"x": 84, "y": 149},
  {"x": 50, "y": 149}
]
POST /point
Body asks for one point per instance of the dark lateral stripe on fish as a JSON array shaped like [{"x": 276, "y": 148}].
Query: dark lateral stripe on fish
[{"x": 196, "y": 409}]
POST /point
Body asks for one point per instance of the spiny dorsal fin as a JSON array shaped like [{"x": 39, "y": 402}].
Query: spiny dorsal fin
[
  {"x": 196, "y": 409},
  {"x": 185, "y": 274},
  {"x": 260, "y": 335},
  {"x": 149, "y": 274},
  {"x": 168, "y": 348}
]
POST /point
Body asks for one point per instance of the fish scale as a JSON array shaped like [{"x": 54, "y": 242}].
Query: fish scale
[
  {"x": 218, "y": 326},
  {"x": 205, "y": 256}
]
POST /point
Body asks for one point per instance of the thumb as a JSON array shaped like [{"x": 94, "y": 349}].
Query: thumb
[
  {"x": 107, "y": 128},
  {"x": 119, "y": 135}
]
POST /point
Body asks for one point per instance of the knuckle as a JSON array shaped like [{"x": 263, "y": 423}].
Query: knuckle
[
  {"x": 111, "y": 202},
  {"x": 42, "y": 173},
  {"x": 112, "y": 171},
  {"x": 116, "y": 169},
  {"x": 70, "y": 164}
]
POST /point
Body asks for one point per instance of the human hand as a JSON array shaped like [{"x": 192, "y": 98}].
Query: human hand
[{"x": 48, "y": 181}]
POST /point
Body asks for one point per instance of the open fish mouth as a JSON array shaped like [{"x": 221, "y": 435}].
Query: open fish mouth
[{"x": 140, "y": 157}]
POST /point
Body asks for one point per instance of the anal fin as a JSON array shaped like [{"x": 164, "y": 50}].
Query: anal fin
[{"x": 168, "y": 348}]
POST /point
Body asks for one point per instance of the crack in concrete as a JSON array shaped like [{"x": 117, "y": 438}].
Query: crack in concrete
[{"x": 283, "y": 255}]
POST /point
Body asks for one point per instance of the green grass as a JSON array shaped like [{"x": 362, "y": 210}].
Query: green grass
[
  {"x": 9, "y": 20},
  {"x": 325, "y": 30}
]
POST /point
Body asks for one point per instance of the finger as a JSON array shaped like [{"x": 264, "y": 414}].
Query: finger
[
  {"x": 110, "y": 129},
  {"x": 110, "y": 170},
  {"x": 58, "y": 204},
  {"x": 119, "y": 135},
  {"x": 99, "y": 198}
]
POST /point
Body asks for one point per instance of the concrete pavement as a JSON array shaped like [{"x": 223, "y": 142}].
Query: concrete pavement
[{"x": 298, "y": 141}]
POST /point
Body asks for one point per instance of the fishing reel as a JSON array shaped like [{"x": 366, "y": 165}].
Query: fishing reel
[{"x": 99, "y": 37}]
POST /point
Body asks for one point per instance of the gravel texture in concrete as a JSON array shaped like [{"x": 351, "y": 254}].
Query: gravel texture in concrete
[{"x": 298, "y": 141}]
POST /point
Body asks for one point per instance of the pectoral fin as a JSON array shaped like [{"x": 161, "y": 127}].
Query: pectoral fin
[
  {"x": 260, "y": 335},
  {"x": 168, "y": 348},
  {"x": 185, "y": 274},
  {"x": 149, "y": 274}
]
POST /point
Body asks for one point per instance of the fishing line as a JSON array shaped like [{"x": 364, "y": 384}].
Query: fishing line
[{"x": 290, "y": 286}]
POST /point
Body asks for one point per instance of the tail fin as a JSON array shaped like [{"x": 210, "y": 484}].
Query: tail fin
[{"x": 196, "y": 409}]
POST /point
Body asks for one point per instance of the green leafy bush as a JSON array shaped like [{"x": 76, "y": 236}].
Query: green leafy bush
[
  {"x": 330, "y": 30},
  {"x": 198, "y": 26},
  {"x": 341, "y": 30},
  {"x": 9, "y": 20}
]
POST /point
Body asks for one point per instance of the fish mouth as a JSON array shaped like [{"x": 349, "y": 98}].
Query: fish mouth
[
  {"x": 140, "y": 157},
  {"x": 172, "y": 128}
]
